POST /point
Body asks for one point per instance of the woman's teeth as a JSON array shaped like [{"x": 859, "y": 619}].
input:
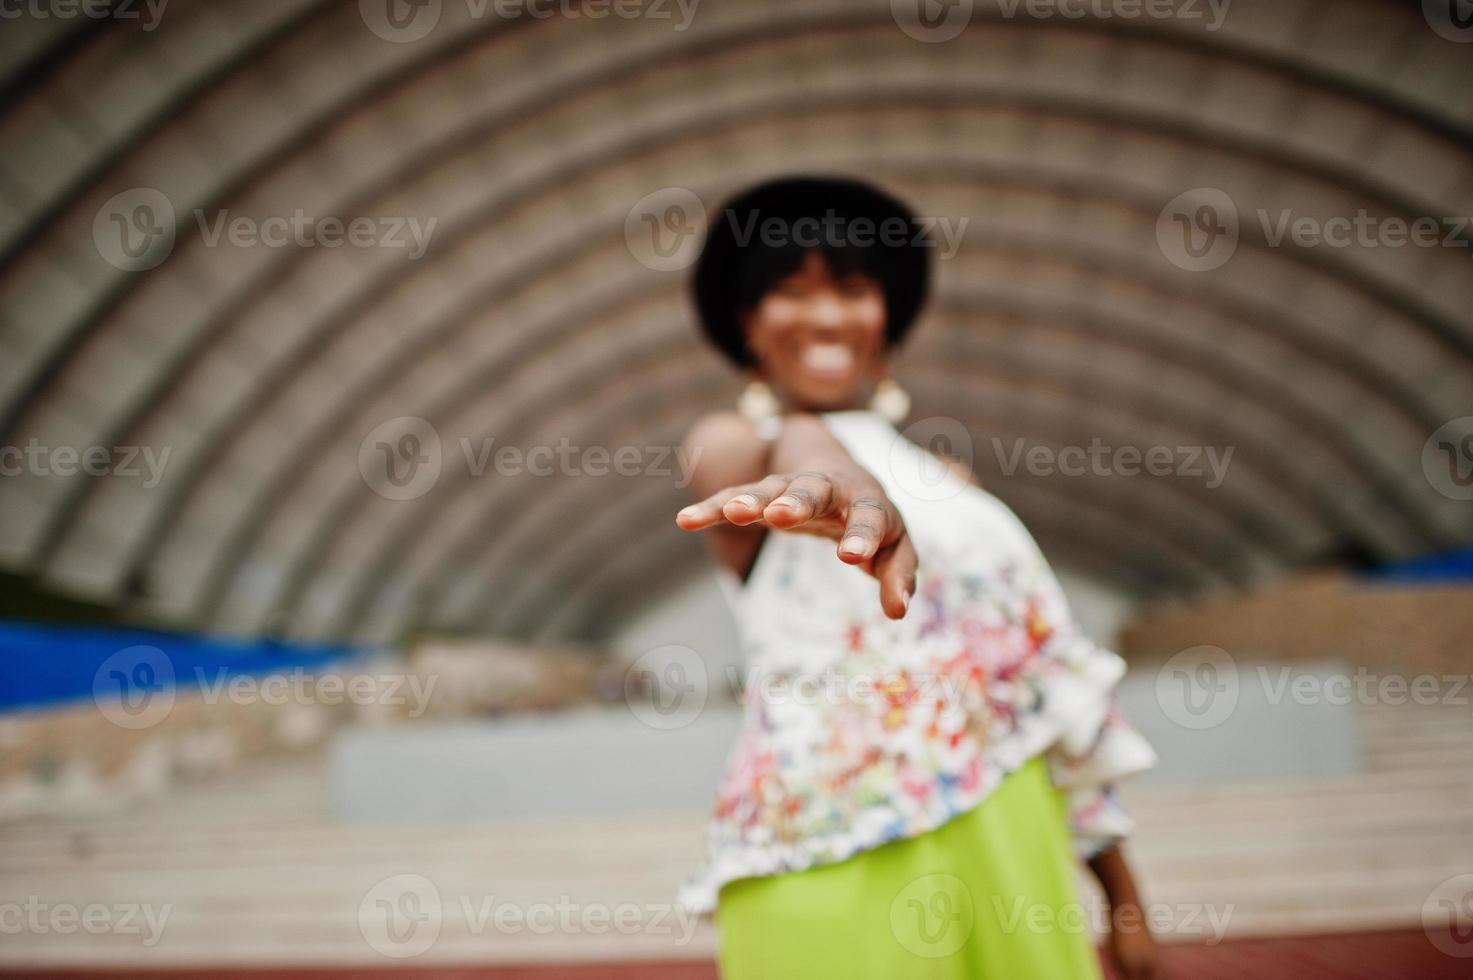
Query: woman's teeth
[{"x": 828, "y": 358}]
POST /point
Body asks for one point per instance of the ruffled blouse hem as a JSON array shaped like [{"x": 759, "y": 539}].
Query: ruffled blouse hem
[{"x": 1083, "y": 694}]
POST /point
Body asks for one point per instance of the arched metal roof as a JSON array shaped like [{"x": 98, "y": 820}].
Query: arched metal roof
[{"x": 529, "y": 319}]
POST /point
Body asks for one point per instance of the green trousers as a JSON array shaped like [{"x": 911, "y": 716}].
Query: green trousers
[{"x": 989, "y": 895}]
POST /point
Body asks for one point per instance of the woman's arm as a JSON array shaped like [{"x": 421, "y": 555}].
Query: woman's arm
[
  {"x": 812, "y": 486},
  {"x": 1132, "y": 947}
]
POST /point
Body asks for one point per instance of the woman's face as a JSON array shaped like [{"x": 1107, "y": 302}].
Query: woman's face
[{"x": 819, "y": 340}]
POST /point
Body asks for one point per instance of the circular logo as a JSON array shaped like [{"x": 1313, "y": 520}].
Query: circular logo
[
  {"x": 1451, "y": 19},
  {"x": 401, "y": 458},
  {"x": 1198, "y": 688},
  {"x": 1198, "y": 229},
  {"x": 932, "y": 21},
  {"x": 666, "y": 687},
  {"x": 664, "y": 230},
  {"x": 933, "y": 916},
  {"x": 134, "y": 688},
  {"x": 927, "y": 475},
  {"x": 400, "y": 21},
  {"x": 401, "y": 916},
  {"x": 1447, "y": 459},
  {"x": 1447, "y": 916},
  {"x": 135, "y": 230}
]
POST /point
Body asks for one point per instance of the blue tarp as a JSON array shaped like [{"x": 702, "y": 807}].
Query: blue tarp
[
  {"x": 1446, "y": 566},
  {"x": 43, "y": 664}
]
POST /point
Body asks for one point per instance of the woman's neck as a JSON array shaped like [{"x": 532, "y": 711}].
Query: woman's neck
[{"x": 858, "y": 402}]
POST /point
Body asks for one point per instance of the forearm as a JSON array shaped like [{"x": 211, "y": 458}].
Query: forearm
[
  {"x": 1132, "y": 946},
  {"x": 1115, "y": 878},
  {"x": 806, "y": 445}
]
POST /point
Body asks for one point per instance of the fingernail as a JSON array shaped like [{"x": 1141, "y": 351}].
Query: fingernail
[
  {"x": 785, "y": 501},
  {"x": 853, "y": 545},
  {"x": 745, "y": 500}
]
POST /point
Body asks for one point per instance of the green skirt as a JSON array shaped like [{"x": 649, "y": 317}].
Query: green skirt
[{"x": 989, "y": 894}]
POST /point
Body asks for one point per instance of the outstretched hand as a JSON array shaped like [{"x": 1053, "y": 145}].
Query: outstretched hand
[{"x": 850, "y": 508}]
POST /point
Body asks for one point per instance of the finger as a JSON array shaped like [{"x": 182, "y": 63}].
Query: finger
[
  {"x": 702, "y": 514},
  {"x": 747, "y": 506},
  {"x": 809, "y": 495},
  {"x": 895, "y": 567},
  {"x": 865, "y": 531},
  {"x": 705, "y": 513}
]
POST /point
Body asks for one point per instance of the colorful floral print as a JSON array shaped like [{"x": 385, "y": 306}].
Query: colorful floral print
[{"x": 859, "y": 729}]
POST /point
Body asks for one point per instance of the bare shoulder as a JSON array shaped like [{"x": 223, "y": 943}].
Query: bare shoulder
[{"x": 725, "y": 450}]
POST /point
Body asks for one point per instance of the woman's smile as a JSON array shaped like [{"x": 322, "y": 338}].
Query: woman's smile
[{"x": 829, "y": 360}]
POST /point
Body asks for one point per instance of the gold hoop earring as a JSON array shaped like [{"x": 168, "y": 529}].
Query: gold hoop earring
[
  {"x": 760, "y": 406},
  {"x": 890, "y": 401}
]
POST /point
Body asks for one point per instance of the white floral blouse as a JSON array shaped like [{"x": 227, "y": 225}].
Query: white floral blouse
[{"x": 859, "y": 729}]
